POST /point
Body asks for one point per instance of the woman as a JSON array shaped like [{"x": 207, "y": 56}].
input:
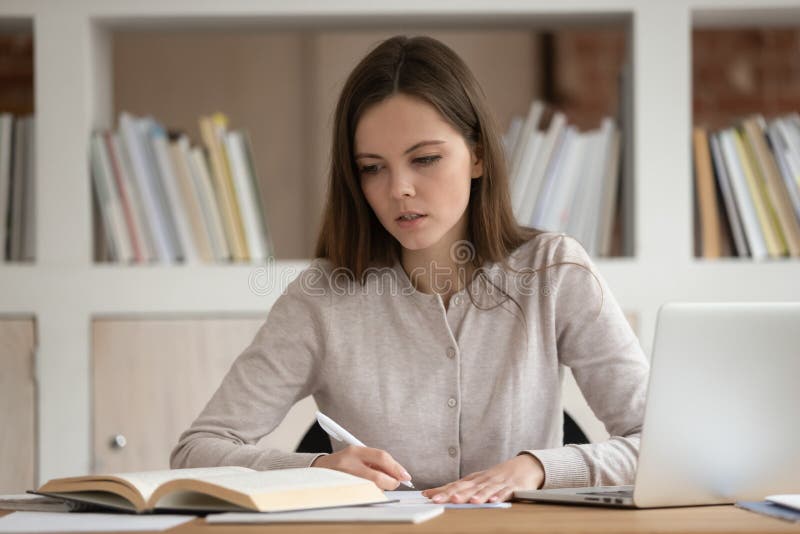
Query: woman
[{"x": 431, "y": 325}]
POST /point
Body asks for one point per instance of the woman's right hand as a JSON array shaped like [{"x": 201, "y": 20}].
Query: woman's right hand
[{"x": 373, "y": 464}]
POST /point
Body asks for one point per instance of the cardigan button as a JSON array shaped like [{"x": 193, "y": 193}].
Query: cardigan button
[
  {"x": 451, "y": 402},
  {"x": 452, "y": 452},
  {"x": 451, "y": 352}
]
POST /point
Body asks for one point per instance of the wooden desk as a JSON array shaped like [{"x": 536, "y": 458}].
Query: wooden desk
[{"x": 536, "y": 518}]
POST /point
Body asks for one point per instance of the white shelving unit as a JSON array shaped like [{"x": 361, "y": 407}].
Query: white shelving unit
[{"x": 64, "y": 289}]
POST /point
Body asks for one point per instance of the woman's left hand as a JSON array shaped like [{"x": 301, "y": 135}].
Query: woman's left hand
[{"x": 496, "y": 484}]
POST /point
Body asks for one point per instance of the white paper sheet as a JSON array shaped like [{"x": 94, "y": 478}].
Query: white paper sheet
[
  {"x": 407, "y": 498},
  {"x": 350, "y": 514},
  {"x": 25, "y": 522}
]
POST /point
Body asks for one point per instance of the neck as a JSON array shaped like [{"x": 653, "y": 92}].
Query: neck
[
  {"x": 432, "y": 274},
  {"x": 440, "y": 268}
]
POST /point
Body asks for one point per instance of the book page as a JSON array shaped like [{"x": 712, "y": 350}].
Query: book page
[
  {"x": 277, "y": 481},
  {"x": 148, "y": 481}
]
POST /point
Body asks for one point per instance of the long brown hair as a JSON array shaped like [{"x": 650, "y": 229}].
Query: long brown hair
[{"x": 427, "y": 69}]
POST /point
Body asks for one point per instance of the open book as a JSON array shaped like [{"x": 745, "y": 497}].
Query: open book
[{"x": 217, "y": 489}]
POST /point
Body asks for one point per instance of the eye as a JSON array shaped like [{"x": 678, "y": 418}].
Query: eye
[
  {"x": 369, "y": 169},
  {"x": 427, "y": 160}
]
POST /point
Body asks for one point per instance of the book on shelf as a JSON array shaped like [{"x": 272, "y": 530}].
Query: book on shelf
[
  {"x": 160, "y": 199},
  {"x": 211, "y": 129},
  {"x": 200, "y": 233},
  {"x": 705, "y": 196},
  {"x": 17, "y": 230},
  {"x": 566, "y": 180},
  {"x": 216, "y": 489},
  {"x": 755, "y": 174}
]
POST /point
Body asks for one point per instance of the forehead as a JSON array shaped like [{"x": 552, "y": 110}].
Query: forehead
[{"x": 399, "y": 122}]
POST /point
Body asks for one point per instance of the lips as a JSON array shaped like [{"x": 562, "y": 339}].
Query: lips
[{"x": 410, "y": 216}]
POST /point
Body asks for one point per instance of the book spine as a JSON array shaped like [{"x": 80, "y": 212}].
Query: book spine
[
  {"x": 257, "y": 197},
  {"x": 191, "y": 198},
  {"x": 235, "y": 148},
  {"x": 551, "y": 181},
  {"x": 29, "y": 231},
  {"x": 524, "y": 156},
  {"x": 724, "y": 181},
  {"x": 125, "y": 198},
  {"x": 776, "y": 193},
  {"x": 563, "y": 205},
  {"x": 134, "y": 195},
  {"x": 146, "y": 126},
  {"x": 540, "y": 164},
  {"x": 200, "y": 171},
  {"x": 592, "y": 218},
  {"x": 610, "y": 194},
  {"x": 154, "y": 217},
  {"x": 160, "y": 147},
  {"x": 223, "y": 189},
  {"x": 220, "y": 124},
  {"x": 706, "y": 196},
  {"x": 17, "y": 192},
  {"x": 786, "y": 174},
  {"x": 101, "y": 181},
  {"x": 750, "y": 223},
  {"x": 6, "y": 129},
  {"x": 776, "y": 246}
]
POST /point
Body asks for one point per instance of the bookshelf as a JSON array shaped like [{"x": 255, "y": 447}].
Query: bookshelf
[
  {"x": 740, "y": 74},
  {"x": 64, "y": 290}
]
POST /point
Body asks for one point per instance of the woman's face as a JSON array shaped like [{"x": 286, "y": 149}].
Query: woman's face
[{"x": 411, "y": 160}]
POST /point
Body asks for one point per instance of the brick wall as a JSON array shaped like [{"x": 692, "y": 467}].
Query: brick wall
[
  {"x": 585, "y": 74},
  {"x": 735, "y": 73}
]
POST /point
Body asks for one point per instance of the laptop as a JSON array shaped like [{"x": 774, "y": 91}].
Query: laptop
[{"x": 722, "y": 420}]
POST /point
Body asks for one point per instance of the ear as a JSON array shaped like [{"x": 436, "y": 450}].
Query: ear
[{"x": 476, "y": 155}]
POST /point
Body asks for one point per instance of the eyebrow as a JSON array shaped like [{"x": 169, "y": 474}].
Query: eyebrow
[{"x": 410, "y": 149}]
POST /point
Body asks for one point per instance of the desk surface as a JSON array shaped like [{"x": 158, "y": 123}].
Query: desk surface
[{"x": 533, "y": 518}]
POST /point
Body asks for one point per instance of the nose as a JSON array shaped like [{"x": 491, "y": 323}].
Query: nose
[{"x": 401, "y": 185}]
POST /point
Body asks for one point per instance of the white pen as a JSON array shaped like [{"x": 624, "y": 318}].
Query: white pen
[{"x": 340, "y": 434}]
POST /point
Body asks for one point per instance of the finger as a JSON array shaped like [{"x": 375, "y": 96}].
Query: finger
[
  {"x": 381, "y": 479},
  {"x": 433, "y": 491},
  {"x": 383, "y": 461},
  {"x": 502, "y": 495},
  {"x": 486, "y": 492},
  {"x": 457, "y": 492},
  {"x": 439, "y": 494},
  {"x": 466, "y": 492},
  {"x": 430, "y": 492}
]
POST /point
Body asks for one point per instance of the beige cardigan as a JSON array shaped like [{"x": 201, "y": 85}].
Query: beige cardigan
[{"x": 446, "y": 391}]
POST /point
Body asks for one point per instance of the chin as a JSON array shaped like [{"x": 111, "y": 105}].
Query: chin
[{"x": 415, "y": 242}]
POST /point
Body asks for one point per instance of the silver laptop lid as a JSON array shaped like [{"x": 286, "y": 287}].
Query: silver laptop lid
[{"x": 722, "y": 420}]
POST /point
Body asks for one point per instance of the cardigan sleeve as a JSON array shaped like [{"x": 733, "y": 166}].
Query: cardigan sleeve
[
  {"x": 595, "y": 340},
  {"x": 275, "y": 371}
]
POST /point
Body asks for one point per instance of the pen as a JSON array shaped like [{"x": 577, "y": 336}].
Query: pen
[{"x": 340, "y": 434}]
